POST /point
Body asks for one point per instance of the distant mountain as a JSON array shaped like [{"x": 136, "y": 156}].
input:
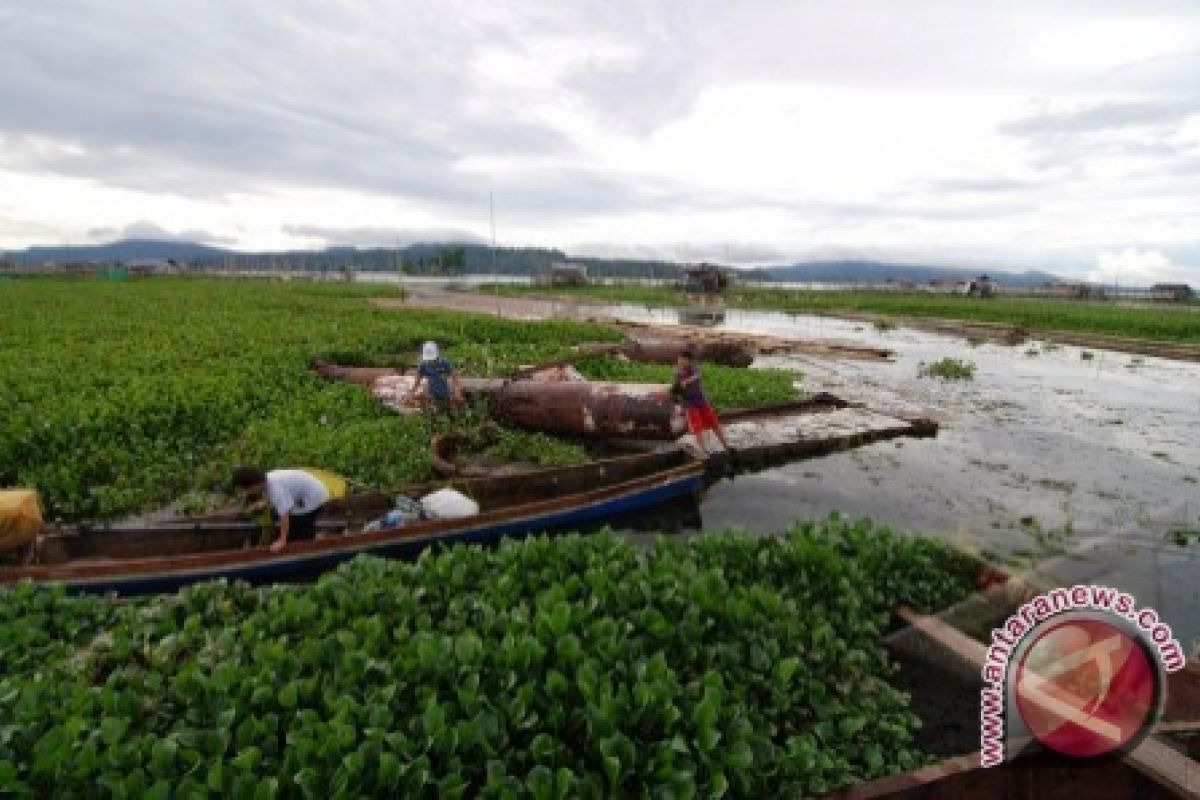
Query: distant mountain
[
  {"x": 879, "y": 272},
  {"x": 457, "y": 259},
  {"x": 124, "y": 251},
  {"x": 430, "y": 258}
]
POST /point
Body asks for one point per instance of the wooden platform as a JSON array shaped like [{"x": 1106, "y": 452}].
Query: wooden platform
[{"x": 825, "y": 424}]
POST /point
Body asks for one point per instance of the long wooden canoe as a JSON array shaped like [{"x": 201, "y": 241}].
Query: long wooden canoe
[{"x": 166, "y": 556}]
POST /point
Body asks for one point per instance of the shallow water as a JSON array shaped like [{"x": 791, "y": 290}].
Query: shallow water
[{"x": 1082, "y": 466}]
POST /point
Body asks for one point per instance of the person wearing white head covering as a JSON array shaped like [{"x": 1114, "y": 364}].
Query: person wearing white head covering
[{"x": 438, "y": 373}]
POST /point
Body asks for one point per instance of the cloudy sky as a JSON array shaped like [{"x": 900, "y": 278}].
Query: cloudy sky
[{"x": 1044, "y": 134}]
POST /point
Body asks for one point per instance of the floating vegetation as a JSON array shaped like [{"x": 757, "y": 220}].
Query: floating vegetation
[
  {"x": 572, "y": 667},
  {"x": 948, "y": 369}
]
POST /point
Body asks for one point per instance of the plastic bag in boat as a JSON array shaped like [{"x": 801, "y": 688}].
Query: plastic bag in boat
[
  {"x": 448, "y": 504},
  {"x": 406, "y": 512},
  {"x": 20, "y": 517}
]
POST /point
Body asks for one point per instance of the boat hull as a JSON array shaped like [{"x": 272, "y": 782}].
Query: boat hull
[{"x": 308, "y": 559}]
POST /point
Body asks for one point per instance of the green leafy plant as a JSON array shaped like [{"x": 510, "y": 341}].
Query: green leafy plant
[
  {"x": 727, "y": 387},
  {"x": 569, "y": 667},
  {"x": 119, "y": 397}
]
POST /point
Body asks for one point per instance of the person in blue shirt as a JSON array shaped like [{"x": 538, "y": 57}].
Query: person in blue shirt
[{"x": 444, "y": 394}]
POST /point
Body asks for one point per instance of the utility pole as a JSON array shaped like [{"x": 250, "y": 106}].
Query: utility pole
[{"x": 492, "y": 213}]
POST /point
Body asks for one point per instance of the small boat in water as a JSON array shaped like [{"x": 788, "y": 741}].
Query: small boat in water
[{"x": 161, "y": 557}]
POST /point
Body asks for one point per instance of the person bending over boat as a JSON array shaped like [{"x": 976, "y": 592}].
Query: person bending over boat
[
  {"x": 688, "y": 389},
  {"x": 295, "y": 496}
]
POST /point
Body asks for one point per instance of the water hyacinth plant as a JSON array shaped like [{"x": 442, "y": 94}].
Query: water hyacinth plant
[{"x": 570, "y": 667}]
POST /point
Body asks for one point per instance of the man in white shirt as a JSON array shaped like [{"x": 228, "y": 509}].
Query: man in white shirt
[{"x": 296, "y": 498}]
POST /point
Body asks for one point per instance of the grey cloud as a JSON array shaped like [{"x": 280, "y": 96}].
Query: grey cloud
[
  {"x": 979, "y": 185},
  {"x": 149, "y": 230},
  {"x": 732, "y": 253},
  {"x": 909, "y": 206},
  {"x": 246, "y": 97},
  {"x": 1102, "y": 117},
  {"x": 209, "y": 98},
  {"x": 382, "y": 237}
]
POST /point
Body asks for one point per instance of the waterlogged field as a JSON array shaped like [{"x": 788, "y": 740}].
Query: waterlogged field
[
  {"x": 119, "y": 397},
  {"x": 574, "y": 667},
  {"x": 1165, "y": 323}
]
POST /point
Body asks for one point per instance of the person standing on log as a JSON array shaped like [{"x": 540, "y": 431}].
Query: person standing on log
[
  {"x": 688, "y": 388},
  {"x": 444, "y": 392},
  {"x": 444, "y": 396}
]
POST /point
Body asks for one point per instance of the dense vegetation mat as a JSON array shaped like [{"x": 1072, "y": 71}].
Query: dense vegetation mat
[
  {"x": 120, "y": 397},
  {"x": 573, "y": 667}
]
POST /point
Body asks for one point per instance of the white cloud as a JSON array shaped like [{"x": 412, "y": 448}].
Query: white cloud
[
  {"x": 1031, "y": 134},
  {"x": 1136, "y": 267}
]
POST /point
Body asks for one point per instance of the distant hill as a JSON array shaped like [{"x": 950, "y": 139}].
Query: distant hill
[
  {"x": 126, "y": 250},
  {"x": 432, "y": 258},
  {"x": 879, "y": 272},
  {"x": 456, "y": 259}
]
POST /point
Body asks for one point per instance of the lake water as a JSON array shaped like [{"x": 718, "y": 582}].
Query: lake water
[{"x": 1083, "y": 462}]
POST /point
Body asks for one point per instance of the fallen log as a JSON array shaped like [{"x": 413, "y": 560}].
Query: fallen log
[
  {"x": 364, "y": 376},
  {"x": 757, "y": 343},
  {"x": 627, "y": 410},
  {"x": 667, "y": 351},
  {"x": 546, "y": 399}
]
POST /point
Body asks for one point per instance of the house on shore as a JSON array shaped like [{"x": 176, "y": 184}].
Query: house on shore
[
  {"x": 563, "y": 273},
  {"x": 1171, "y": 293},
  {"x": 704, "y": 279}
]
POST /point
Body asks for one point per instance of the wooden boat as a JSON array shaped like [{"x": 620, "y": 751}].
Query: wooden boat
[{"x": 166, "y": 556}]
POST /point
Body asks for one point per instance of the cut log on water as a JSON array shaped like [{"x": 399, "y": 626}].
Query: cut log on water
[
  {"x": 364, "y": 376},
  {"x": 603, "y": 410},
  {"x": 666, "y": 351},
  {"x": 729, "y": 353},
  {"x": 757, "y": 343},
  {"x": 546, "y": 399},
  {"x": 396, "y": 391}
]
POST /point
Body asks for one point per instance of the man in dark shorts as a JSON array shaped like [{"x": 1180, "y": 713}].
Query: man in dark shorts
[
  {"x": 701, "y": 416},
  {"x": 295, "y": 496},
  {"x": 444, "y": 391},
  {"x": 443, "y": 397}
]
